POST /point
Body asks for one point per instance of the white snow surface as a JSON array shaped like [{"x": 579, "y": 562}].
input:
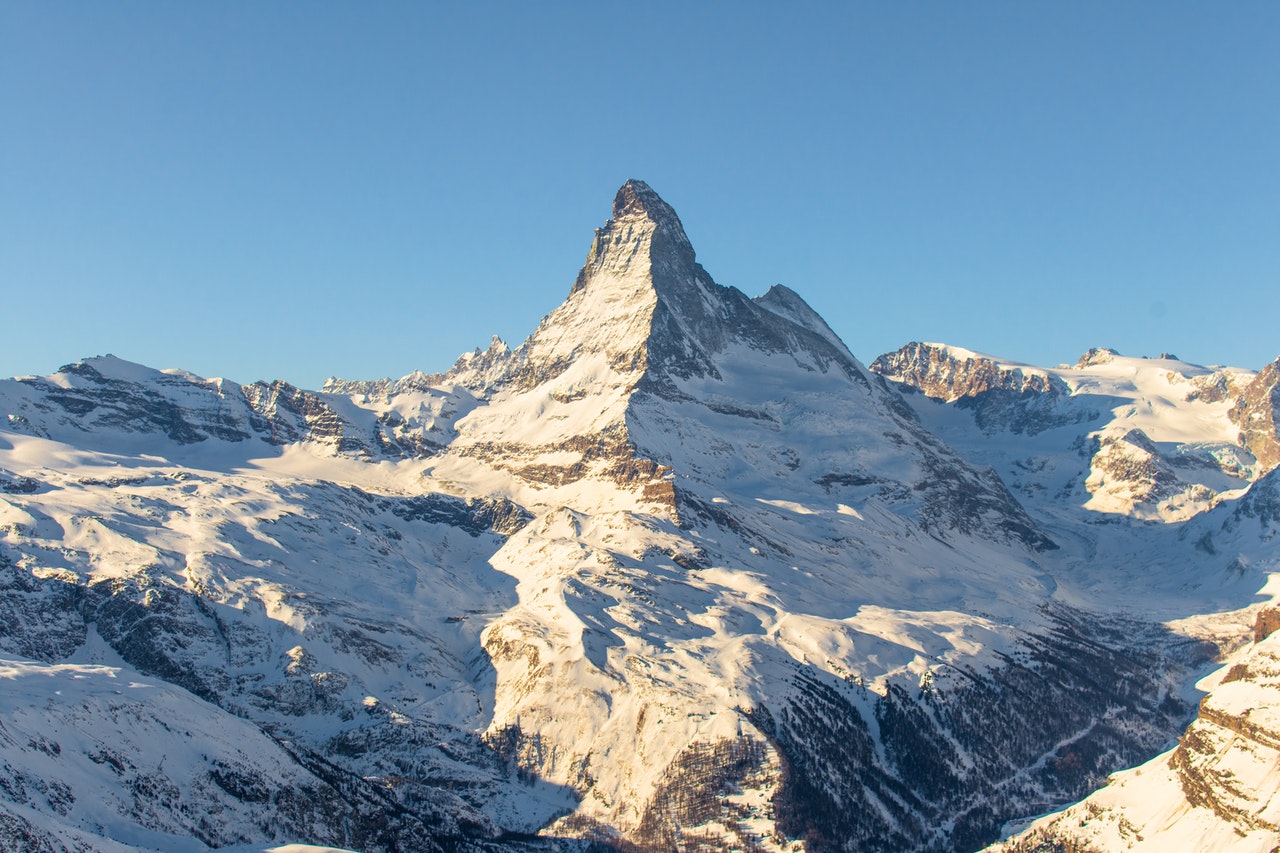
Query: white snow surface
[{"x": 75, "y": 735}]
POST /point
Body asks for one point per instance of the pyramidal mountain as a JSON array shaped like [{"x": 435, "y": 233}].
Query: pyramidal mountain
[{"x": 678, "y": 572}]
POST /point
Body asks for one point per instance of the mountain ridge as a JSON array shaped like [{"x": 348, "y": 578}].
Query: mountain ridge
[{"x": 676, "y": 571}]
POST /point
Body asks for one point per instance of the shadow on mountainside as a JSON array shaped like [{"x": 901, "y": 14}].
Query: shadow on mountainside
[{"x": 380, "y": 693}]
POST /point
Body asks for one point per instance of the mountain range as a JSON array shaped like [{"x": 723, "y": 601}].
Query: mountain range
[{"x": 678, "y": 572}]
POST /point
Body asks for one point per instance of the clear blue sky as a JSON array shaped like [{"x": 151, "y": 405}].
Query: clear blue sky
[{"x": 305, "y": 189}]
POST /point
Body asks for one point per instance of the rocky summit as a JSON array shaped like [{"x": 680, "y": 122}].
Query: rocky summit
[{"x": 678, "y": 572}]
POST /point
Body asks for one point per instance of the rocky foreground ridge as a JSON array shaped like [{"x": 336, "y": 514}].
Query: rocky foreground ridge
[
  {"x": 1216, "y": 790},
  {"x": 677, "y": 572}
]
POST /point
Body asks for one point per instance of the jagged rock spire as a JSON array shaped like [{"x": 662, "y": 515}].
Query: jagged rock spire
[
  {"x": 643, "y": 237},
  {"x": 644, "y": 306},
  {"x": 636, "y": 198}
]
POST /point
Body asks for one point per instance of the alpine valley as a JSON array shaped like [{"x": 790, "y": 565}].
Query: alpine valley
[{"x": 677, "y": 573}]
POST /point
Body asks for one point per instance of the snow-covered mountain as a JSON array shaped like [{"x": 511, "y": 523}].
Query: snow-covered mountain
[
  {"x": 1162, "y": 438},
  {"x": 677, "y": 572}
]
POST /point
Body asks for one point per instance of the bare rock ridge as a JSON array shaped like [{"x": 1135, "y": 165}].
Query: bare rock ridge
[
  {"x": 1020, "y": 398},
  {"x": 943, "y": 373},
  {"x": 1095, "y": 356}
]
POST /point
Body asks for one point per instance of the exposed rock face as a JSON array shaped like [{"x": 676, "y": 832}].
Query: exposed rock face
[
  {"x": 1257, "y": 411},
  {"x": 480, "y": 369},
  {"x": 1266, "y": 623},
  {"x": 294, "y": 415},
  {"x": 1225, "y": 760},
  {"x": 1226, "y": 757},
  {"x": 1096, "y": 356},
  {"x": 948, "y": 374},
  {"x": 1222, "y": 384},
  {"x": 105, "y": 404},
  {"x": 1129, "y": 470},
  {"x": 416, "y": 381},
  {"x": 1019, "y": 399}
]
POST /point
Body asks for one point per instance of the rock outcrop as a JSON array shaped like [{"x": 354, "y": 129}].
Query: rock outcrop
[{"x": 1257, "y": 411}]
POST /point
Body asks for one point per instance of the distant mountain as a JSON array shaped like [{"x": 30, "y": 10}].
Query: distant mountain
[
  {"x": 1159, "y": 437},
  {"x": 677, "y": 572}
]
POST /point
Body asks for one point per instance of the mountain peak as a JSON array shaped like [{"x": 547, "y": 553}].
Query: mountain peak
[
  {"x": 643, "y": 236},
  {"x": 1095, "y": 356},
  {"x": 636, "y": 198},
  {"x": 644, "y": 302}
]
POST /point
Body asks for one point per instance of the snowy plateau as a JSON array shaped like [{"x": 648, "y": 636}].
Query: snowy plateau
[{"x": 677, "y": 573}]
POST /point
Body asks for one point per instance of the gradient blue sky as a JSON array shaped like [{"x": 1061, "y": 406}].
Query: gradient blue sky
[{"x": 297, "y": 190}]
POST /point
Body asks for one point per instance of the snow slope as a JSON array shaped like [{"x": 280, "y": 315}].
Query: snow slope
[
  {"x": 103, "y": 758},
  {"x": 1157, "y": 434}
]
